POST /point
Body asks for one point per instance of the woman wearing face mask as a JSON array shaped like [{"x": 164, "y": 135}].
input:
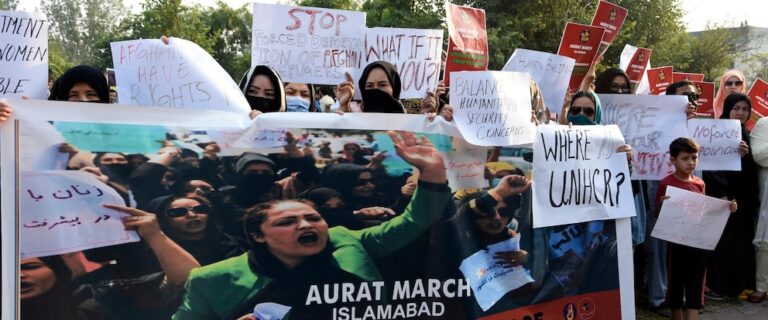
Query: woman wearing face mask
[
  {"x": 264, "y": 91},
  {"x": 380, "y": 85},
  {"x": 330, "y": 203},
  {"x": 299, "y": 97},
  {"x": 732, "y": 81},
  {"x": 81, "y": 84}
]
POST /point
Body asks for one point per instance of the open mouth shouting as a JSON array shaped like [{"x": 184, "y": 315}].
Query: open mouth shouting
[{"x": 309, "y": 238}]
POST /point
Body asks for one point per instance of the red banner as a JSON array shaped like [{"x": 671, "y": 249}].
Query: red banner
[
  {"x": 580, "y": 42},
  {"x": 468, "y": 41},
  {"x": 677, "y": 76},
  {"x": 597, "y": 305},
  {"x": 706, "y": 101},
  {"x": 637, "y": 65},
  {"x": 611, "y": 17},
  {"x": 659, "y": 79},
  {"x": 759, "y": 96}
]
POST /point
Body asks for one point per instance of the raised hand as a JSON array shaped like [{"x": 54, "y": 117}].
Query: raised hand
[
  {"x": 743, "y": 148},
  {"x": 511, "y": 259},
  {"x": 511, "y": 185},
  {"x": 143, "y": 222},
  {"x": 421, "y": 154},
  {"x": 375, "y": 212},
  {"x": 5, "y": 111},
  {"x": 345, "y": 91}
]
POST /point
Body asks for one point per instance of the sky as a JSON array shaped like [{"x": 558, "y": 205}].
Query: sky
[{"x": 697, "y": 12}]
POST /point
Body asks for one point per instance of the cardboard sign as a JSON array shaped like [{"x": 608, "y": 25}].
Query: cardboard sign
[
  {"x": 719, "y": 141},
  {"x": 179, "y": 74},
  {"x": 578, "y": 176},
  {"x": 466, "y": 169},
  {"x": 62, "y": 212},
  {"x": 659, "y": 79},
  {"x": 551, "y": 72},
  {"x": 677, "y": 76},
  {"x": 759, "y": 96},
  {"x": 706, "y": 100},
  {"x": 416, "y": 53},
  {"x": 493, "y": 108},
  {"x": 611, "y": 17},
  {"x": 467, "y": 40},
  {"x": 581, "y": 43},
  {"x": 23, "y": 55},
  {"x": 649, "y": 124},
  {"x": 633, "y": 61},
  {"x": 691, "y": 219},
  {"x": 308, "y": 45}
]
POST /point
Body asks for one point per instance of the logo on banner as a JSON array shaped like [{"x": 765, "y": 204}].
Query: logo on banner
[
  {"x": 586, "y": 308},
  {"x": 662, "y": 77},
  {"x": 569, "y": 312},
  {"x": 612, "y": 15},
  {"x": 641, "y": 56},
  {"x": 698, "y": 88},
  {"x": 585, "y": 35},
  {"x": 465, "y": 19}
]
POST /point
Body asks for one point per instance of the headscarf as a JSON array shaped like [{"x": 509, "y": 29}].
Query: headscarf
[
  {"x": 256, "y": 187},
  {"x": 342, "y": 176},
  {"x": 82, "y": 73},
  {"x": 341, "y": 216},
  {"x": 580, "y": 119},
  {"x": 721, "y": 94},
  {"x": 605, "y": 79},
  {"x": 120, "y": 173},
  {"x": 729, "y": 103},
  {"x": 312, "y": 106},
  {"x": 375, "y": 100},
  {"x": 537, "y": 104},
  {"x": 263, "y": 104}
]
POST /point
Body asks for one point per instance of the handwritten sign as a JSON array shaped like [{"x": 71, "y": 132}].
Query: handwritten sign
[
  {"x": 23, "y": 55},
  {"x": 489, "y": 279},
  {"x": 112, "y": 137},
  {"x": 611, "y": 17},
  {"x": 62, "y": 212},
  {"x": 706, "y": 100},
  {"x": 416, "y": 53},
  {"x": 719, "y": 141},
  {"x": 691, "y": 219},
  {"x": 634, "y": 61},
  {"x": 759, "y": 96},
  {"x": 308, "y": 45},
  {"x": 578, "y": 176},
  {"x": 493, "y": 108},
  {"x": 581, "y": 43},
  {"x": 649, "y": 124},
  {"x": 466, "y": 169},
  {"x": 179, "y": 74},
  {"x": 550, "y": 71},
  {"x": 467, "y": 40},
  {"x": 659, "y": 79}
]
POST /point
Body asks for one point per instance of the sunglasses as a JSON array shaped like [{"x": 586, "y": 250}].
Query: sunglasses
[
  {"x": 620, "y": 88},
  {"x": 180, "y": 212},
  {"x": 692, "y": 97},
  {"x": 574, "y": 110},
  {"x": 738, "y": 83},
  {"x": 362, "y": 182}
]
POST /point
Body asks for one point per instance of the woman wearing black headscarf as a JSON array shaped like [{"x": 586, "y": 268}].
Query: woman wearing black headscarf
[
  {"x": 330, "y": 203},
  {"x": 380, "y": 85},
  {"x": 263, "y": 90},
  {"x": 732, "y": 265},
  {"x": 613, "y": 80},
  {"x": 81, "y": 84},
  {"x": 357, "y": 184}
]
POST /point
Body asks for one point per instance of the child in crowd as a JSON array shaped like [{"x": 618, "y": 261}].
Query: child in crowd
[{"x": 686, "y": 264}]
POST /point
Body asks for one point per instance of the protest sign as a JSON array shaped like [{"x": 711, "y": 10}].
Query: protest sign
[
  {"x": 550, "y": 71},
  {"x": 706, "y": 102},
  {"x": 581, "y": 43},
  {"x": 634, "y": 61},
  {"x": 649, "y": 124},
  {"x": 758, "y": 94},
  {"x": 415, "y": 53},
  {"x": 493, "y": 108},
  {"x": 113, "y": 137},
  {"x": 677, "y": 76},
  {"x": 308, "y": 45},
  {"x": 719, "y": 141},
  {"x": 659, "y": 79},
  {"x": 42, "y": 153},
  {"x": 62, "y": 212},
  {"x": 691, "y": 219},
  {"x": 466, "y": 169},
  {"x": 179, "y": 74},
  {"x": 578, "y": 176},
  {"x": 23, "y": 55},
  {"x": 611, "y": 17},
  {"x": 467, "y": 40}
]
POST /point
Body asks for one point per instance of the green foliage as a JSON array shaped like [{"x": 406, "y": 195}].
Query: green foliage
[
  {"x": 8, "y": 4},
  {"x": 420, "y": 14},
  {"x": 331, "y": 4},
  {"x": 230, "y": 31}
]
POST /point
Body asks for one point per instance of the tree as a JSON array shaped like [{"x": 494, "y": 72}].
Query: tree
[
  {"x": 8, "y": 4},
  {"x": 420, "y": 14},
  {"x": 230, "y": 30},
  {"x": 331, "y": 4}
]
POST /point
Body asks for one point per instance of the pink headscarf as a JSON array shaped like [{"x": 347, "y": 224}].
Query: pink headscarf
[{"x": 721, "y": 94}]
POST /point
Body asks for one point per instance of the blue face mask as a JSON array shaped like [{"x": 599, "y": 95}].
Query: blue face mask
[
  {"x": 495, "y": 182},
  {"x": 296, "y": 104},
  {"x": 580, "y": 120}
]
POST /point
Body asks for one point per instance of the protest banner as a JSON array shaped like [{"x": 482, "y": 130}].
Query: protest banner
[
  {"x": 649, "y": 124},
  {"x": 62, "y": 212},
  {"x": 113, "y": 137},
  {"x": 467, "y": 40},
  {"x": 179, "y": 74},
  {"x": 493, "y": 108},
  {"x": 578, "y": 176},
  {"x": 551, "y": 72},
  {"x": 706, "y": 103},
  {"x": 677, "y": 76},
  {"x": 592, "y": 269},
  {"x": 634, "y": 61},
  {"x": 758, "y": 94},
  {"x": 611, "y": 17},
  {"x": 719, "y": 141},
  {"x": 691, "y": 219},
  {"x": 308, "y": 45},
  {"x": 415, "y": 53},
  {"x": 466, "y": 168},
  {"x": 659, "y": 79},
  {"x": 23, "y": 55},
  {"x": 581, "y": 43}
]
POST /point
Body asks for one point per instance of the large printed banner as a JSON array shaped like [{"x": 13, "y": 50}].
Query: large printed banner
[
  {"x": 580, "y": 42},
  {"x": 578, "y": 176},
  {"x": 400, "y": 223},
  {"x": 634, "y": 61},
  {"x": 23, "y": 55},
  {"x": 759, "y": 96},
  {"x": 611, "y": 17},
  {"x": 659, "y": 79},
  {"x": 649, "y": 124},
  {"x": 719, "y": 141},
  {"x": 308, "y": 45},
  {"x": 467, "y": 40},
  {"x": 550, "y": 71}
]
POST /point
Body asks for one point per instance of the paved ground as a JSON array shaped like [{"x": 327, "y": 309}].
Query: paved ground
[{"x": 739, "y": 310}]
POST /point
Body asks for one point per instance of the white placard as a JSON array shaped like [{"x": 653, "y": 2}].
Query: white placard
[
  {"x": 691, "y": 219},
  {"x": 493, "y": 108},
  {"x": 466, "y": 168},
  {"x": 578, "y": 176},
  {"x": 23, "y": 55},
  {"x": 719, "y": 141},
  {"x": 550, "y": 71},
  {"x": 649, "y": 124},
  {"x": 179, "y": 74},
  {"x": 41, "y": 147}
]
